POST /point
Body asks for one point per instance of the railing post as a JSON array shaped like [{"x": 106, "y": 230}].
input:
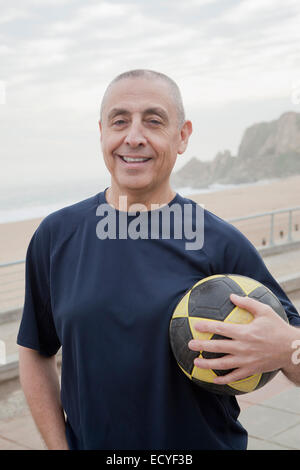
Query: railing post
[
  {"x": 271, "y": 241},
  {"x": 290, "y": 238}
]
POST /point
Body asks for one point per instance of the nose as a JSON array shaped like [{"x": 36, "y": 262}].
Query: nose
[{"x": 135, "y": 136}]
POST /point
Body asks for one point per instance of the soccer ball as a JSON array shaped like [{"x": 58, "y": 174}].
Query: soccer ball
[{"x": 209, "y": 299}]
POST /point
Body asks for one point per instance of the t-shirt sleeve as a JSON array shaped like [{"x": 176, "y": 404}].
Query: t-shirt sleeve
[
  {"x": 241, "y": 257},
  {"x": 37, "y": 329}
]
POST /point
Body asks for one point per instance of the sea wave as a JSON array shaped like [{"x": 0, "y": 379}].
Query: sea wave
[
  {"x": 36, "y": 201},
  {"x": 188, "y": 190},
  {"x": 19, "y": 203}
]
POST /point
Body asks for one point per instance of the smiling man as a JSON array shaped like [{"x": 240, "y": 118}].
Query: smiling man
[
  {"x": 108, "y": 300},
  {"x": 142, "y": 131}
]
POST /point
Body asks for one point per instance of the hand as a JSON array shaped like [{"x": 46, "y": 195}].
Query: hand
[{"x": 260, "y": 346}]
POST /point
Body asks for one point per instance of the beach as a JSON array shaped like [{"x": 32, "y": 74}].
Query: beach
[
  {"x": 233, "y": 202},
  {"x": 258, "y": 198}
]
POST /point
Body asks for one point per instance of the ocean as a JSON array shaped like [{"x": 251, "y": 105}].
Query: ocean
[{"x": 23, "y": 202}]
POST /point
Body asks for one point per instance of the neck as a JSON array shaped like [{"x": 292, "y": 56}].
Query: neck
[{"x": 123, "y": 199}]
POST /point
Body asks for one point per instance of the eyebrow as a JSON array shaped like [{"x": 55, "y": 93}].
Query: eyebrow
[
  {"x": 158, "y": 111},
  {"x": 124, "y": 112},
  {"x": 116, "y": 112}
]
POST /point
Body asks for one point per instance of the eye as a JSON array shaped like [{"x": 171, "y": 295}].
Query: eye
[
  {"x": 119, "y": 122},
  {"x": 155, "y": 122}
]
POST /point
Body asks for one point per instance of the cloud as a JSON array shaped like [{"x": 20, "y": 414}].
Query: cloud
[
  {"x": 42, "y": 52},
  {"x": 101, "y": 39},
  {"x": 258, "y": 10},
  {"x": 57, "y": 57},
  {"x": 90, "y": 14},
  {"x": 195, "y": 3},
  {"x": 12, "y": 14}
]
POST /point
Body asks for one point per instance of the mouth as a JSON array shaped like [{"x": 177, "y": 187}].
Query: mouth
[{"x": 134, "y": 160}]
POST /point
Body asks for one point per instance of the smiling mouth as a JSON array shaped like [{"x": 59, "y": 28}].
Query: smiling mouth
[{"x": 134, "y": 159}]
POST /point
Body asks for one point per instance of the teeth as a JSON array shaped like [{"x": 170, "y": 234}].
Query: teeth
[{"x": 133, "y": 160}]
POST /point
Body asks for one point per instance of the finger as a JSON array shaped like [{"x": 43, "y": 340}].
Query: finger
[
  {"x": 251, "y": 305},
  {"x": 221, "y": 363},
  {"x": 217, "y": 346},
  {"x": 234, "y": 376},
  {"x": 229, "y": 330}
]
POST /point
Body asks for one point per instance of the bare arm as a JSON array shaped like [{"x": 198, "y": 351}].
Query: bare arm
[{"x": 40, "y": 382}]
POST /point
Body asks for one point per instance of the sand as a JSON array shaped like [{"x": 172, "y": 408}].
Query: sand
[
  {"x": 229, "y": 203},
  {"x": 254, "y": 199}
]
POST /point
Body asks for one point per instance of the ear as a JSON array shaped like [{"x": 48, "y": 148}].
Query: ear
[
  {"x": 100, "y": 128},
  {"x": 185, "y": 133}
]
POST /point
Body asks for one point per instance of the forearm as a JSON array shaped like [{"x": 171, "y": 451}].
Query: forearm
[{"x": 40, "y": 383}]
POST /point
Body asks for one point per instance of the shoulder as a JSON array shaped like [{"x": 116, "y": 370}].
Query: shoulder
[
  {"x": 223, "y": 244},
  {"x": 74, "y": 212},
  {"x": 215, "y": 227},
  {"x": 222, "y": 228},
  {"x": 222, "y": 236},
  {"x": 62, "y": 222},
  {"x": 230, "y": 250}
]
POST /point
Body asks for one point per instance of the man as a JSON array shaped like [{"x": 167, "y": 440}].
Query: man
[{"x": 107, "y": 299}]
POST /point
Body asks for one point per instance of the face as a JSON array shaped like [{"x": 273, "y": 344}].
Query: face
[{"x": 140, "y": 135}]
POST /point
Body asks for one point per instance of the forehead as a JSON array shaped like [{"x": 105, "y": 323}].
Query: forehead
[{"x": 138, "y": 94}]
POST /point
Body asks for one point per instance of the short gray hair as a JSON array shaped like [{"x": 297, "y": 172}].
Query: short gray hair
[{"x": 150, "y": 74}]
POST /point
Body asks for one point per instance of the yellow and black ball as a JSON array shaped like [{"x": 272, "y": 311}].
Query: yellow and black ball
[{"x": 209, "y": 299}]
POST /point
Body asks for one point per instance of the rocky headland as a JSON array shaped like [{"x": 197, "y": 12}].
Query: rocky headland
[{"x": 267, "y": 150}]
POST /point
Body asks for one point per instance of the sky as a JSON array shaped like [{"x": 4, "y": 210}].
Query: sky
[{"x": 235, "y": 61}]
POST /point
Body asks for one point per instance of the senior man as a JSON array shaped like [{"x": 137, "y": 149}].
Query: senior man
[{"x": 107, "y": 297}]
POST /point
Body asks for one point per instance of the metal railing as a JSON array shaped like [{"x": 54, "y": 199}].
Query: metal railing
[
  {"x": 12, "y": 284},
  {"x": 272, "y": 214}
]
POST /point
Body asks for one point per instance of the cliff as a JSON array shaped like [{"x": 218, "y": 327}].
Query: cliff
[{"x": 267, "y": 150}]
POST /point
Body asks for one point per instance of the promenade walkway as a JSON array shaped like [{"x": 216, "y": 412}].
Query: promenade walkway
[{"x": 271, "y": 415}]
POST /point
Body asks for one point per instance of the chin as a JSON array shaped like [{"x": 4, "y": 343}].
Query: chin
[{"x": 135, "y": 183}]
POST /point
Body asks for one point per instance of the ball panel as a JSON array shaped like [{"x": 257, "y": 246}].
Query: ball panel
[
  {"x": 264, "y": 295},
  {"x": 215, "y": 276},
  {"x": 185, "y": 372},
  {"x": 258, "y": 293},
  {"x": 198, "y": 334},
  {"x": 214, "y": 388},
  {"x": 211, "y": 299},
  {"x": 266, "y": 377},
  {"x": 239, "y": 315},
  {"x": 246, "y": 385},
  {"x": 245, "y": 283},
  {"x": 205, "y": 375},
  {"x": 180, "y": 335},
  {"x": 181, "y": 309}
]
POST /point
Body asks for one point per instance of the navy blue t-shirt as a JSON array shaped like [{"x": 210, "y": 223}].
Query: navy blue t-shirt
[{"x": 108, "y": 303}]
